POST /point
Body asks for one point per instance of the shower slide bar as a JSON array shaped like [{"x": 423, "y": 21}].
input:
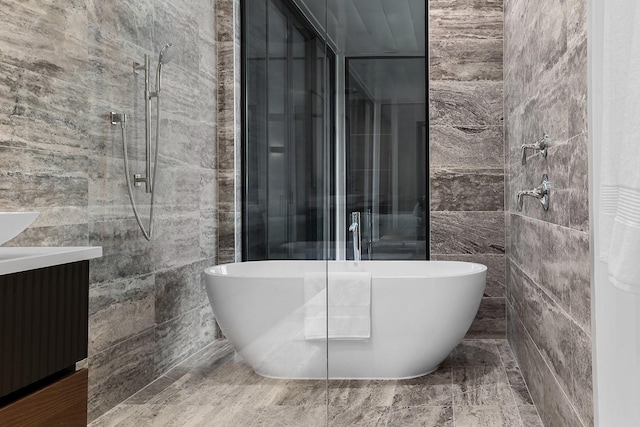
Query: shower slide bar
[{"x": 166, "y": 54}]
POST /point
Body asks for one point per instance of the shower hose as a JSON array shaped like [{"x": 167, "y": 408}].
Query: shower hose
[{"x": 148, "y": 234}]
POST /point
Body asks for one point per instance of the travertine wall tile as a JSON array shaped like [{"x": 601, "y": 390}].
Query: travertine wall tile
[
  {"x": 180, "y": 290},
  {"x": 178, "y": 337},
  {"x": 456, "y": 103},
  {"x": 119, "y": 371},
  {"x": 467, "y": 233},
  {"x": 466, "y": 60},
  {"x": 548, "y": 325},
  {"x": 576, "y": 64},
  {"x": 228, "y": 130},
  {"x": 64, "y": 66},
  {"x": 545, "y": 390},
  {"x": 548, "y": 278},
  {"x": 467, "y": 189},
  {"x": 120, "y": 310},
  {"x": 132, "y": 21},
  {"x": 45, "y": 37},
  {"x": 465, "y": 19},
  {"x": 467, "y": 146}
]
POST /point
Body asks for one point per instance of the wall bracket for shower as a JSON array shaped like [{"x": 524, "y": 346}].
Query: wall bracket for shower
[
  {"x": 541, "y": 192},
  {"x": 138, "y": 180},
  {"x": 118, "y": 118},
  {"x": 540, "y": 145},
  {"x": 137, "y": 67}
]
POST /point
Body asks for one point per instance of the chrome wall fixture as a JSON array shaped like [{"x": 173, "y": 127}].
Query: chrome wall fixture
[
  {"x": 541, "y": 192},
  {"x": 540, "y": 145},
  {"x": 355, "y": 229},
  {"x": 149, "y": 178}
]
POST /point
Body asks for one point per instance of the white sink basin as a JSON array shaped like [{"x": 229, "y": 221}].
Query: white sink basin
[
  {"x": 14, "y": 260},
  {"x": 14, "y": 223}
]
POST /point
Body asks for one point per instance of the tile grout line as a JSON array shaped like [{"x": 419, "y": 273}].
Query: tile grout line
[
  {"x": 513, "y": 396},
  {"x": 551, "y": 297},
  {"x": 572, "y": 407},
  {"x": 525, "y": 384},
  {"x": 453, "y": 410}
]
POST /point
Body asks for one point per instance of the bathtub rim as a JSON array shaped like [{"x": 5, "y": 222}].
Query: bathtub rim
[{"x": 477, "y": 268}]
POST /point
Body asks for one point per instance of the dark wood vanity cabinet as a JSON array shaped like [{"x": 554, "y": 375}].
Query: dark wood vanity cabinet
[{"x": 43, "y": 333}]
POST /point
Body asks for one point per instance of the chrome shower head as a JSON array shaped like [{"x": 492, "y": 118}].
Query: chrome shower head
[{"x": 166, "y": 55}]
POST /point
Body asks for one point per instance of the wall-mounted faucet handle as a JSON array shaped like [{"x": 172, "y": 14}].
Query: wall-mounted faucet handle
[
  {"x": 540, "y": 145},
  {"x": 541, "y": 192}
]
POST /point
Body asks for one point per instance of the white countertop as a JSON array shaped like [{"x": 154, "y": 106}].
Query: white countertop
[{"x": 15, "y": 260}]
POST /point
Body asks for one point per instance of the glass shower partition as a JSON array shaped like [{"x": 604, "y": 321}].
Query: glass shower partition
[
  {"x": 335, "y": 122},
  {"x": 288, "y": 180},
  {"x": 381, "y": 174},
  {"x": 288, "y": 71}
]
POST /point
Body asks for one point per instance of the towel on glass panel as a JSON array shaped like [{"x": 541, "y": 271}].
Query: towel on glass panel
[{"x": 620, "y": 146}]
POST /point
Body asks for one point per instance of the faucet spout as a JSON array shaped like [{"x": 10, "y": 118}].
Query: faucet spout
[{"x": 541, "y": 192}]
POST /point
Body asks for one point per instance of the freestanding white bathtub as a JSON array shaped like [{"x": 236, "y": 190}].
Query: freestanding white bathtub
[{"x": 420, "y": 311}]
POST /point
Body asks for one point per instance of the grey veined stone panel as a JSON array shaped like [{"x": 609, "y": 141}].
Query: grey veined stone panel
[
  {"x": 120, "y": 310},
  {"x": 466, "y": 103},
  {"x": 467, "y": 232},
  {"x": 180, "y": 290},
  {"x": 466, "y": 146},
  {"x": 45, "y": 37},
  {"x": 465, "y": 19},
  {"x": 467, "y": 189},
  {"x": 119, "y": 371},
  {"x": 466, "y": 60}
]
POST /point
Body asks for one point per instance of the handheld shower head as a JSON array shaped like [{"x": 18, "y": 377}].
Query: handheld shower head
[{"x": 166, "y": 55}]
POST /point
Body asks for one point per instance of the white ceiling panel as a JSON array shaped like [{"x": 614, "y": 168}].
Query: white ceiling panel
[{"x": 370, "y": 27}]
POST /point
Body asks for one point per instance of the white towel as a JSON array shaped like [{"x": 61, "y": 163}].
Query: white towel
[
  {"x": 620, "y": 146},
  {"x": 348, "y": 305}
]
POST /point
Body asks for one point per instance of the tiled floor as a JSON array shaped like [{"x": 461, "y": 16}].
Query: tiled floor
[{"x": 478, "y": 385}]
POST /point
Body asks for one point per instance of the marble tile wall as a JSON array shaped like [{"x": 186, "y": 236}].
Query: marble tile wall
[
  {"x": 467, "y": 146},
  {"x": 548, "y": 278},
  {"x": 63, "y": 66},
  {"x": 228, "y": 130}
]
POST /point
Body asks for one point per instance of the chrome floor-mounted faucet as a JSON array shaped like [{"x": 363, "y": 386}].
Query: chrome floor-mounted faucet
[{"x": 355, "y": 229}]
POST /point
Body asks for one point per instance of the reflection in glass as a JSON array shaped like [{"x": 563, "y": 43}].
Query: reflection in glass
[
  {"x": 386, "y": 155},
  {"x": 286, "y": 97},
  {"x": 328, "y": 134}
]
